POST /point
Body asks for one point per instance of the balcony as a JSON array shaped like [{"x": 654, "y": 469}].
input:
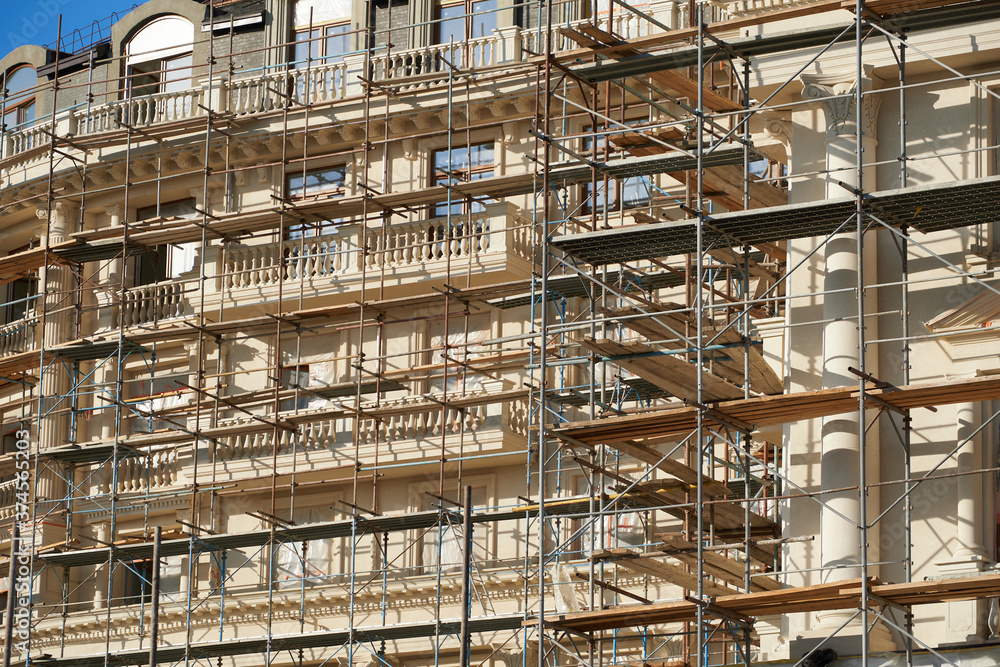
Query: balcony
[
  {"x": 326, "y": 82},
  {"x": 497, "y": 239},
  {"x": 399, "y": 432}
]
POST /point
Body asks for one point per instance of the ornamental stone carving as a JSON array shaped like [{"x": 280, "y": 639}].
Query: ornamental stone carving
[{"x": 838, "y": 99}]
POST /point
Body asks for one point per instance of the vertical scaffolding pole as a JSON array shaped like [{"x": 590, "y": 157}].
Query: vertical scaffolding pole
[
  {"x": 862, "y": 431},
  {"x": 154, "y": 615},
  {"x": 465, "y": 646}
]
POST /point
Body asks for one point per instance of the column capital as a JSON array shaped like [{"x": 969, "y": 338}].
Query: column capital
[
  {"x": 836, "y": 95},
  {"x": 59, "y": 215}
]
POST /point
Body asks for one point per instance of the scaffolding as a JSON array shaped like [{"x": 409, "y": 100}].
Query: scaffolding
[{"x": 300, "y": 420}]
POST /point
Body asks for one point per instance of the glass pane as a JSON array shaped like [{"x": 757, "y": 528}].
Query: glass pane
[
  {"x": 482, "y": 156},
  {"x": 484, "y": 20},
  {"x": 319, "y": 180},
  {"x": 635, "y": 192},
  {"x": 452, "y": 24},
  {"x": 28, "y": 114},
  {"x": 144, "y": 78},
  {"x": 177, "y": 74},
  {"x": 304, "y": 48},
  {"x": 338, "y": 41},
  {"x": 22, "y": 79}
]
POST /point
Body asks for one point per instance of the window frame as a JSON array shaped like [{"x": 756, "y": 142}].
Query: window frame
[
  {"x": 319, "y": 228},
  {"x": 137, "y": 397},
  {"x": 320, "y": 49},
  {"x": 20, "y": 106},
  {"x": 469, "y": 14},
  {"x": 165, "y": 60},
  {"x": 473, "y": 172},
  {"x": 156, "y": 267}
]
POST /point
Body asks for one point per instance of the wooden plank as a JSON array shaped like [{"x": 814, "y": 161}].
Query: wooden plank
[
  {"x": 728, "y": 179},
  {"x": 829, "y": 596},
  {"x": 669, "y": 372},
  {"x": 672, "y": 467},
  {"x": 715, "y": 563},
  {"x": 688, "y": 87},
  {"x": 674, "y": 574},
  {"x": 672, "y": 423},
  {"x": 662, "y": 325}
]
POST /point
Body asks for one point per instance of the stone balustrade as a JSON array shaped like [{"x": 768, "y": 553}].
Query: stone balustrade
[
  {"x": 406, "y": 419},
  {"x": 18, "y": 336},
  {"x": 151, "y": 303},
  {"x": 141, "y": 111},
  {"x": 140, "y": 473},
  {"x": 8, "y": 499},
  {"x": 496, "y": 230}
]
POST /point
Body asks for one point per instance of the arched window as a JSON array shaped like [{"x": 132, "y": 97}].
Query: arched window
[
  {"x": 19, "y": 103},
  {"x": 158, "y": 57}
]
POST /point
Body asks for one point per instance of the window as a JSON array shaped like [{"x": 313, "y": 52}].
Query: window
[
  {"x": 329, "y": 181},
  {"x": 464, "y": 345},
  {"x": 310, "y": 563},
  {"x": 168, "y": 261},
  {"x": 158, "y": 57},
  {"x": 19, "y": 103},
  {"x": 390, "y": 21},
  {"x": 137, "y": 580},
  {"x": 618, "y": 530},
  {"x": 20, "y": 297},
  {"x": 9, "y": 446},
  {"x": 460, "y": 165},
  {"x": 442, "y": 545},
  {"x": 153, "y": 394},
  {"x": 616, "y": 194},
  {"x": 464, "y": 20},
  {"x": 330, "y": 36}
]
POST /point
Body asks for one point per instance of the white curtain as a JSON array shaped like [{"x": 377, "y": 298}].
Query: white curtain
[{"x": 311, "y": 560}]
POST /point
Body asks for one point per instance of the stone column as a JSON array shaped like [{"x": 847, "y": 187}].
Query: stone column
[
  {"x": 969, "y": 508},
  {"x": 967, "y": 620},
  {"x": 840, "y": 544},
  {"x": 101, "y": 571},
  {"x": 58, "y": 284}
]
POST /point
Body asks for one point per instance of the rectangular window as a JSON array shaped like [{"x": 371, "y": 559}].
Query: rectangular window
[
  {"x": 443, "y": 545},
  {"x": 168, "y": 261},
  {"x": 463, "y": 20},
  {"x": 20, "y": 298},
  {"x": 152, "y": 395},
  {"x": 328, "y": 181},
  {"x": 314, "y": 562},
  {"x": 461, "y": 165},
  {"x": 329, "y": 38},
  {"x": 390, "y": 20},
  {"x": 137, "y": 586}
]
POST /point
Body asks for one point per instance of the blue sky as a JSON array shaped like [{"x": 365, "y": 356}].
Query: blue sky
[{"x": 37, "y": 21}]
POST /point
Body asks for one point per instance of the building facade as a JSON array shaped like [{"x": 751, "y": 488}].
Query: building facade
[{"x": 420, "y": 333}]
